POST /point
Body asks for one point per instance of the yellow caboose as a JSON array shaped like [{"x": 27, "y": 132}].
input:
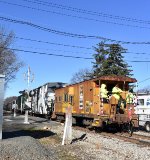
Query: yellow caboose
[{"x": 88, "y": 108}]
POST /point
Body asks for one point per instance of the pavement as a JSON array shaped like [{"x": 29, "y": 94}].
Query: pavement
[{"x": 15, "y": 126}]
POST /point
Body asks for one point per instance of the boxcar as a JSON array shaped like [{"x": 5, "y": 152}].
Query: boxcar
[{"x": 87, "y": 106}]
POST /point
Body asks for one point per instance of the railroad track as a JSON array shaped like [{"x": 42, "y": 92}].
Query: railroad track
[
  {"x": 135, "y": 138},
  {"x": 142, "y": 140}
]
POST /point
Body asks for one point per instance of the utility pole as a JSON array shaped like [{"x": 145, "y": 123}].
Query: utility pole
[
  {"x": 2, "y": 78},
  {"x": 29, "y": 77}
]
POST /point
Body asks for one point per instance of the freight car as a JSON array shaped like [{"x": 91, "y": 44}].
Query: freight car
[
  {"x": 89, "y": 109},
  {"x": 40, "y": 100}
]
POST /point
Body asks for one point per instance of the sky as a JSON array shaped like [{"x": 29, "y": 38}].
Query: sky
[{"x": 127, "y": 21}]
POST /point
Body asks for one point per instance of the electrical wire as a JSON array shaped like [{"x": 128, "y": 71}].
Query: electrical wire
[
  {"x": 55, "y": 50},
  {"x": 73, "y": 35},
  {"x": 139, "y": 53},
  {"x": 139, "y": 61},
  {"x": 48, "y": 54},
  {"x": 52, "y": 43},
  {"x": 79, "y": 17},
  {"x": 144, "y": 80},
  {"x": 67, "y": 45},
  {"x": 59, "y": 55},
  {"x": 89, "y": 12}
]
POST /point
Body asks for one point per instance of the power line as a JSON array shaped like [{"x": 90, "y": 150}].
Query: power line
[
  {"x": 139, "y": 53},
  {"x": 56, "y": 50},
  {"x": 48, "y": 29},
  {"x": 52, "y": 43},
  {"x": 80, "y": 52},
  {"x": 59, "y": 55},
  {"x": 143, "y": 80},
  {"x": 48, "y": 54},
  {"x": 74, "y": 35},
  {"x": 66, "y": 45},
  {"x": 79, "y": 17},
  {"x": 89, "y": 12},
  {"x": 139, "y": 61}
]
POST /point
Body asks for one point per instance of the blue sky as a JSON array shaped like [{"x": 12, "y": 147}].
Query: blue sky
[{"x": 52, "y": 68}]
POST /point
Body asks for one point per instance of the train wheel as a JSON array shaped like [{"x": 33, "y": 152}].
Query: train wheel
[
  {"x": 98, "y": 129},
  {"x": 47, "y": 117},
  {"x": 147, "y": 127},
  {"x": 130, "y": 127}
]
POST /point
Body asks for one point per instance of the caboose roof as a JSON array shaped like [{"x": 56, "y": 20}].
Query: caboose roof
[
  {"x": 116, "y": 78},
  {"x": 109, "y": 78}
]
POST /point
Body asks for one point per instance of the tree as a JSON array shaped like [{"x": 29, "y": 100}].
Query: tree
[
  {"x": 144, "y": 90},
  {"x": 8, "y": 103},
  {"x": 109, "y": 60},
  {"x": 81, "y": 75},
  {"x": 9, "y": 62},
  {"x": 100, "y": 58}
]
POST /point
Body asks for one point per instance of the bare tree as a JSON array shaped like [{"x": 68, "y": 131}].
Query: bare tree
[
  {"x": 144, "y": 90},
  {"x": 8, "y": 103},
  {"x": 9, "y": 62},
  {"x": 81, "y": 75}
]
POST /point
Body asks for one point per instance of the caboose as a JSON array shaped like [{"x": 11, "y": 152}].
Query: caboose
[{"x": 89, "y": 109}]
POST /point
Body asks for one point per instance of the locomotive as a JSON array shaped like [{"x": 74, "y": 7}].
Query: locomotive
[{"x": 89, "y": 109}]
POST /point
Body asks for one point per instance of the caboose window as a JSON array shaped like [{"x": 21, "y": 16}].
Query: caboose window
[
  {"x": 140, "y": 102},
  {"x": 59, "y": 98},
  {"x": 66, "y": 97},
  {"x": 81, "y": 96},
  {"x": 71, "y": 100},
  {"x": 55, "y": 99}
]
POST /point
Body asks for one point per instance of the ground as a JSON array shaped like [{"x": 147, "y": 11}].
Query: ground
[{"x": 42, "y": 139}]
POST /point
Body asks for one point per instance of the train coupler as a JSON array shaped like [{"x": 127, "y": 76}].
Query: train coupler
[{"x": 97, "y": 123}]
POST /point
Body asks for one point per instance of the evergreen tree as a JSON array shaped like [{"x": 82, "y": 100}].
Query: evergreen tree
[
  {"x": 100, "y": 58},
  {"x": 110, "y": 61}
]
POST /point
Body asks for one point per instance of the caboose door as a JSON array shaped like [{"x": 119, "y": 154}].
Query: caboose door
[{"x": 96, "y": 100}]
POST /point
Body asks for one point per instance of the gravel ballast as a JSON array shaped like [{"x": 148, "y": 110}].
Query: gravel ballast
[
  {"x": 98, "y": 147},
  {"x": 24, "y": 148}
]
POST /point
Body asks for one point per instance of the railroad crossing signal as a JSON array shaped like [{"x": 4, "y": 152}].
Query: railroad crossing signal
[{"x": 29, "y": 77}]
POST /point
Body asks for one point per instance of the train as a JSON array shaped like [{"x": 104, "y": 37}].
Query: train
[{"x": 85, "y": 101}]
